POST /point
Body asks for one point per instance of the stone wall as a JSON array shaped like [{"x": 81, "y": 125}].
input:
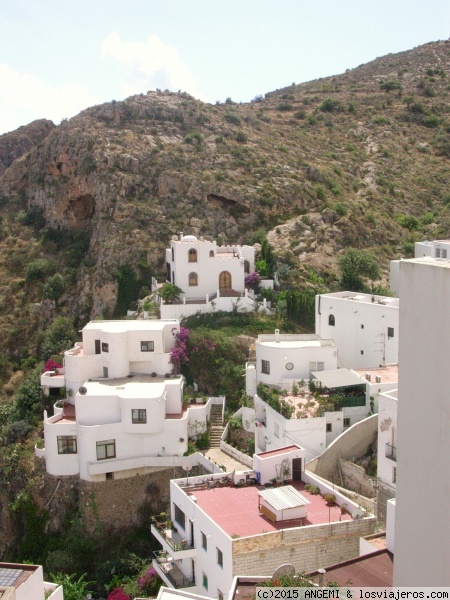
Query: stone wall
[
  {"x": 307, "y": 548},
  {"x": 354, "y": 478}
]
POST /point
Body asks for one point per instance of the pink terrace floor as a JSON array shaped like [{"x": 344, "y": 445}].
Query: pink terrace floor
[{"x": 236, "y": 510}]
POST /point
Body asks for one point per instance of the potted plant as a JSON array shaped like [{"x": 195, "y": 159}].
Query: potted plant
[
  {"x": 343, "y": 508},
  {"x": 329, "y": 498}
]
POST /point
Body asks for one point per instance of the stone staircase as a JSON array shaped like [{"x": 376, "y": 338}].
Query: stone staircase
[{"x": 217, "y": 427}]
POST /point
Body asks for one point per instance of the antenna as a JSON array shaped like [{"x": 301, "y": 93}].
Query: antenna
[
  {"x": 186, "y": 467},
  {"x": 286, "y": 569}
]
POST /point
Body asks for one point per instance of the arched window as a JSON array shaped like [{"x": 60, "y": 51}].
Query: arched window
[
  {"x": 169, "y": 272},
  {"x": 211, "y": 253},
  {"x": 193, "y": 279},
  {"x": 331, "y": 320},
  {"x": 192, "y": 255},
  {"x": 225, "y": 281},
  {"x": 246, "y": 267}
]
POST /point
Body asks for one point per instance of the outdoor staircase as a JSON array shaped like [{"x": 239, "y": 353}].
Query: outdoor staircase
[{"x": 217, "y": 427}]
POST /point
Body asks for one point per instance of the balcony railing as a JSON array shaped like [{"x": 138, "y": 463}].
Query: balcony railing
[
  {"x": 169, "y": 571},
  {"x": 164, "y": 529},
  {"x": 391, "y": 452}
]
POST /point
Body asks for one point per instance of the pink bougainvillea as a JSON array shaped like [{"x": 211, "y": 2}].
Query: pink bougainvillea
[
  {"x": 118, "y": 594},
  {"x": 51, "y": 365},
  {"x": 179, "y": 353}
]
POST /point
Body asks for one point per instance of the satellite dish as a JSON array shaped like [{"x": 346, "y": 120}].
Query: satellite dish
[
  {"x": 284, "y": 570},
  {"x": 82, "y": 390}
]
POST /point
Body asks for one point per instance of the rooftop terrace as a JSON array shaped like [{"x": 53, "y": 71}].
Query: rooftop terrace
[{"x": 236, "y": 510}]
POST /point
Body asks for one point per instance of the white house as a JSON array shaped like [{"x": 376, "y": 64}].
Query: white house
[
  {"x": 435, "y": 250},
  {"x": 26, "y": 582},
  {"x": 387, "y": 439},
  {"x": 217, "y": 530},
  {"x": 422, "y": 526},
  {"x": 282, "y": 359},
  {"x": 363, "y": 326},
  {"x": 124, "y": 413},
  {"x": 211, "y": 277}
]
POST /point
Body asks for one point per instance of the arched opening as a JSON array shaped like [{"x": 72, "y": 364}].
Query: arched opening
[
  {"x": 192, "y": 255},
  {"x": 211, "y": 253},
  {"x": 193, "y": 279},
  {"x": 225, "y": 281},
  {"x": 331, "y": 320},
  {"x": 246, "y": 267}
]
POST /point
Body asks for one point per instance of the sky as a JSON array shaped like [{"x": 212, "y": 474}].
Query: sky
[{"x": 58, "y": 57}]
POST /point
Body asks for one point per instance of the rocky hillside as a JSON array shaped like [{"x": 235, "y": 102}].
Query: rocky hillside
[{"x": 360, "y": 159}]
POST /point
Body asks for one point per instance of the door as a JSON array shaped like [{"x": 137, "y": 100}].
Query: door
[
  {"x": 97, "y": 347},
  {"x": 105, "y": 372},
  {"x": 297, "y": 469}
]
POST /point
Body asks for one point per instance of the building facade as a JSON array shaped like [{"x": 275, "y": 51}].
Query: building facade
[
  {"x": 363, "y": 326},
  {"x": 124, "y": 412}
]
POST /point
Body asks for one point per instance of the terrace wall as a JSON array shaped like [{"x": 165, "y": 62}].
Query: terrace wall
[{"x": 307, "y": 548}]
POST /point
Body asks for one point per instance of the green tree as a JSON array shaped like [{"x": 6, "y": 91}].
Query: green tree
[
  {"x": 54, "y": 287},
  {"x": 29, "y": 397},
  {"x": 356, "y": 266},
  {"x": 74, "y": 589},
  {"x": 60, "y": 336},
  {"x": 169, "y": 292}
]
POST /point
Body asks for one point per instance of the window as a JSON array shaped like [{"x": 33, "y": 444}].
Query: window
[
  {"x": 173, "y": 254},
  {"x": 225, "y": 281},
  {"x": 192, "y": 256},
  {"x": 329, "y": 427},
  {"x": 347, "y": 422},
  {"x": 390, "y": 332},
  {"x": 67, "y": 444},
  {"x": 204, "y": 581},
  {"x": 138, "y": 415},
  {"x": 105, "y": 347},
  {"x": 147, "y": 346},
  {"x": 204, "y": 541},
  {"x": 193, "y": 279},
  {"x": 362, "y": 352},
  {"x": 315, "y": 366},
  {"x": 246, "y": 267},
  {"x": 331, "y": 321},
  {"x": 106, "y": 449},
  {"x": 394, "y": 474},
  {"x": 265, "y": 367},
  {"x": 97, "y": 347},
  {"x": 438, "y": 253},
  {"x": 276, "y": 430},
  {"x": 320, "y": 366},
  {"x": 180, "y": 517},
  {"x": 211, "y": 253},
  {"x": 109, "y": 476},
  {"x": 289, "y": 366},
  {"x": 362, "y": 326},
  {"x": 219, "y": 557},
  {"x": 444, "y": 253}
]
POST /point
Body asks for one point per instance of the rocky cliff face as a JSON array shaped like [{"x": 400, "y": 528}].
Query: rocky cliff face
[{"x": 321, "y": 166}]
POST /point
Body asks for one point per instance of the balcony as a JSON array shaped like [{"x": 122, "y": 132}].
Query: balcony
[
  {"x": 172, "y": 542},
  {"x": 391, "y": 452},
  {"x": 169, "y": 572}
]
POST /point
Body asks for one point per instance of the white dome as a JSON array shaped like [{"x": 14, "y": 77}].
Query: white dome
[{"x": 189, "y": 238}]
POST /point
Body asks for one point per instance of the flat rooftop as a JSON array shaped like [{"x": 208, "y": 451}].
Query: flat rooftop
[
  {"x": 387, "y": 374},
  {"x": 236, "y": 510},
  {"x": 124, "y": 325},
  {"x": 293, "y": 340},
  {"x": 364, "y": 298}
]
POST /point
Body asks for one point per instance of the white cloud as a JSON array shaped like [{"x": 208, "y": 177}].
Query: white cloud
[
  {"x": 24, "y": 98},
  {"x": 150, "y": 65}
]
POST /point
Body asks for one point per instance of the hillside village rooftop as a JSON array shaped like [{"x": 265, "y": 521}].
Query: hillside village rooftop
[
  {"x": 364, "y": 298},
  {"x": 237, "y": 510}
]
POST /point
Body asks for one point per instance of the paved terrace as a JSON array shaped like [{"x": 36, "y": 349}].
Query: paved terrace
[{"x": 236, "y": 510}]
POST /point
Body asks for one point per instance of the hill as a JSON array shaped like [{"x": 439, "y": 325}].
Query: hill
[{"x": 359, "y": 159}]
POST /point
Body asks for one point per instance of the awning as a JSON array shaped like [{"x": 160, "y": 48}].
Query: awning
[
  {"x": 283, "y": 497},
  {"x": 336, "y": 378}
]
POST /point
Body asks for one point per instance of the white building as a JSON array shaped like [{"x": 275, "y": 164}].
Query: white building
[
  {"x": 217, "y": 531},
  {"x": 26, "y": 582},
  {"x": 422, "y": 526},
  {"x": 124, "y": 413},
  {"x": 211, "y": 277},
  {"x": 363, "y": 326},
  {"x": 435, "y": 250},
  {"x": 387, "y": 439},
  {"x": 283, "y": 359}
]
